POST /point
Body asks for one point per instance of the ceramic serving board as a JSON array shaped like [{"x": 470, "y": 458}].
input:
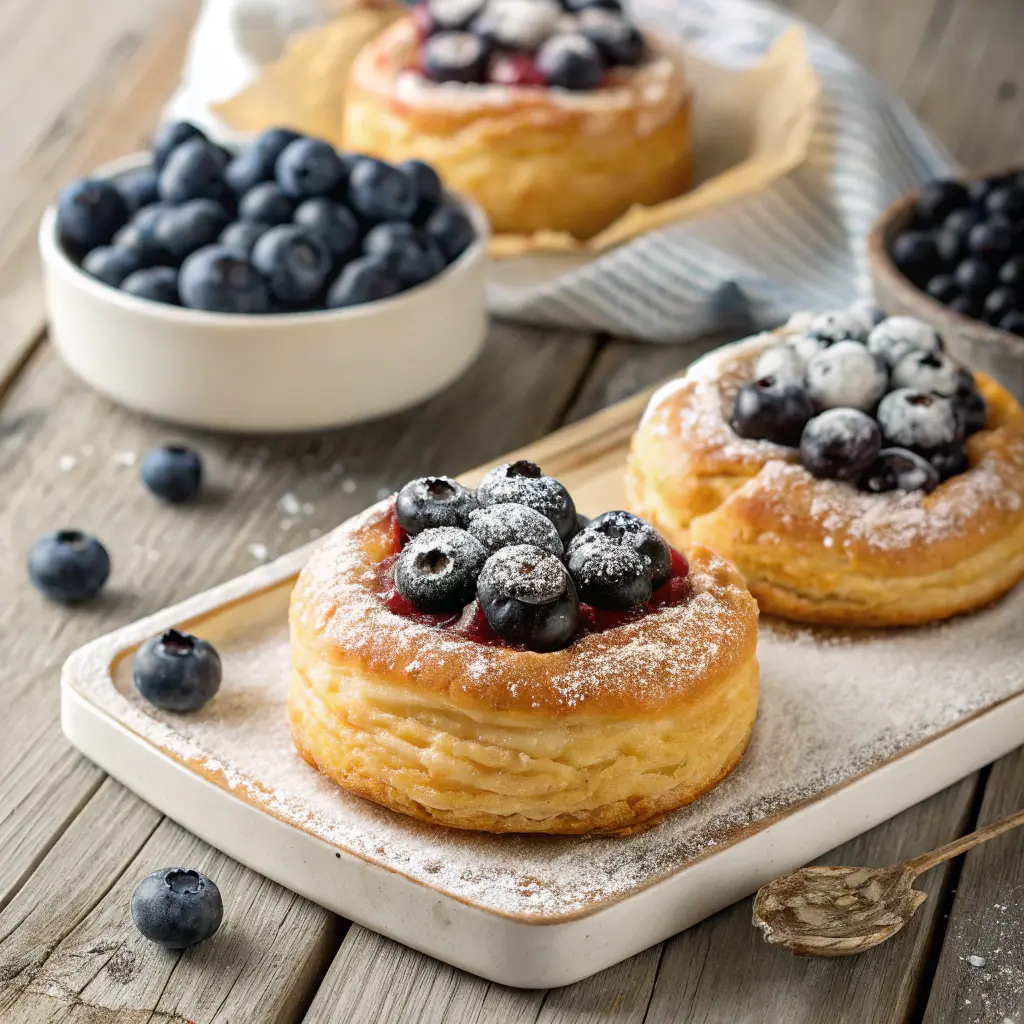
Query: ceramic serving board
[{"x": 852, "y": 729}]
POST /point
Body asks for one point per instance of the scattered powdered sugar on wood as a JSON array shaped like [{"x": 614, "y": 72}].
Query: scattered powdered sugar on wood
[{"x": 833, "y": 705}]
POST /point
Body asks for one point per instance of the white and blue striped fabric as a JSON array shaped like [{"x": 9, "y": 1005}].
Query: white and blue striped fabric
[{"x": 800, "y": 244}]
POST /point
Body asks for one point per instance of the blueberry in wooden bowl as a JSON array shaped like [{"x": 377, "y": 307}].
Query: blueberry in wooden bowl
[{"x": 952, "y": 254}]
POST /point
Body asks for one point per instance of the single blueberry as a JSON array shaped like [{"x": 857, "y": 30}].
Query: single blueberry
[
  {"x": 437, "y": 570},
  {"x": 111, "y": 264},
  {"x": 897, "y": 469},
  {"x": 89, "y": 211},
  {"x": 172, "y": 473},
  {"x": 241, "y": 236},
  {"x": 294, "y": 262},
  {"x": 68, "y": 566},
  {"x": 267, "y": 204},
  {"x": 896, "y": 336},
  {"x": 168, "y": 137},
  {"x": 998, "y": 303},
  {"x": 188, "y": 227},
  {"x": 523, "y": 483},
  {"x": 951, "y": 246},
  {"x": 455, "y": 57},
  {"x": 214, "y": 280},
  {"x": 451, "y": 229},
  {"x": 139, "y": 235},
  {"x": 627, "y": 530},
  {"x": 366, "y": 279},
  {"x": 335, "y": 225},
  {"x": 991, "y": 241},
  {"x": 608, "y": 575},
  {"x": 569, "y": 60},
  {"x": 915, "y": 256},
  {"x": 138, "y": 187},
  {"x": 501, "y": 526},
  {"x": 918, "y": 420},
  {"x": 1011, "y": 273},
  {"x": 974, "y": 277},
  {"x": 618, "y": 39},
  {"x": 433, "y": 501},
  {"x": 378, "y": 191},
  {"x": 158, "y": 284},
  {"x": 927, "y": 371},
  {"x": 840, "y": 325},
  {"x": 389, "y": 238},
  {"x": 516, "y": 27},
  {"x": 846, "y": 374},
  {"x": 245, "y": 171},
  {"x": 411, "y": 253},
  {"x": 195, "y": 170},
  {"x": 309, "y": 167},
  {"x": 768, "y": 409},
  {"x": 943, "y": 288},
  {"x": 529, "y": 598},
  {"x": 177, "y": 671},
  {"x": 840, "y": 444},
  {"x": 271, "y": 143},
  {"x": 961, "y": 221},
  {"x": 429, "y": 190},
  {"x": 177, "y": 907}
]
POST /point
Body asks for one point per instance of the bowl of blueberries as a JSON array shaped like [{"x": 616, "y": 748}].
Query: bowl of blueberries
[
  {"x": 952, "y": 254},
  {"x": 280, "y": 286}
]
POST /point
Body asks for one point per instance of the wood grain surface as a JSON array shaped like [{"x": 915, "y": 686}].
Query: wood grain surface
[{"x": 85, "y": 82}]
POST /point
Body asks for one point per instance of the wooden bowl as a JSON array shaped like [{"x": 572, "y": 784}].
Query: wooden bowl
[{"x": 978, "y": 345}]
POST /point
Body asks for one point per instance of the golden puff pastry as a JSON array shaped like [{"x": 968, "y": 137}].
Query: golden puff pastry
[
  {"x": 534, "y": 158},
  {"x": 822, "y": 551},
  {"x": 605, "y": 736}
]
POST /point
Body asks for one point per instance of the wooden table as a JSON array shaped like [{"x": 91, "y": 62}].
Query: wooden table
[{"x": 85, "y": 82}]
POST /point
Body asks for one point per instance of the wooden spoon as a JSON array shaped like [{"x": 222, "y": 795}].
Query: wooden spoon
[{"x": 838, "y": 911}]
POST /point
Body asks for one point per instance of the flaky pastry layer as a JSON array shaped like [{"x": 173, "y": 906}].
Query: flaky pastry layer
[
  {"x": 535, "y": 159},
  {"x": 820, "y": 551},
  {"x": 606, "y": 736}
]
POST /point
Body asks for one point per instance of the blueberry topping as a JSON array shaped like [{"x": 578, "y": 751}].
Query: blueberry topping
[
  {"x": 938, "y": 199},
  {"x": 434, "y": 501},
  {"x": 969, "y": 406},
  {"x": 438, "y": 569},
  {"x": 455, "y": 57},
  {"x": 168, "y": 137},
  {"x": 505, "y": 525},
  {"x": 293, "y": 261},
  {"x": 528, "y": 598},
  {"x": 172, "y": 473},
  {"x": 949, "y": 460},
  {"x": 518, "y": 25},
  {"x": 451, "y": 229},
  {"x": 335, "y": 226},
  {"x": 522, "y": 483},
  {"x": 215, "y": 280},
  {"x": 839, "y": 325},
  {"x": 782, "y": 363},
  {"x": 138, "y": 187},
  {"x": 571, "y": 61},
  {"x": 267, "y": 204},
  {"x": 846, "y": 374},
  {"x": 194, "y": 170},
  {"x": 619, "y": 41},
  {"x": 308, "y": 168},
  {"x": 157, "y": 284},
  {"x": 892, "y": 339},
  {"x": 771, "y": 410},
  {"x": 177, "y": 671},
  {"x": 89, "y": 211},
  {"x": 918, "y": 420},
  {"x": 897, "y": 469},
  {"x": 429, "y": 190},
  {"x": 628, "y": 530},
  {"x": 805, "y": 346},
  {"x": 379, "y": 191},
  {"x": 185, "y": 228},
  {"x": 606, "y": 574},
  {"x": 840, "y": 444},
  {"x": 446, "y": 15},
  {"x": 241, "y": 237},
  {"x": 176, "y": 907},
  {"x": 111, "y": 264},
  {"x": 68, "y": 566},
  {"x": 366, "y": 279},
  {"x": 927, "y": 371}
]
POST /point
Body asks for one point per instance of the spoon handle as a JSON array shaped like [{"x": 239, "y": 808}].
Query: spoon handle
[{"x": 928, "y": 860}]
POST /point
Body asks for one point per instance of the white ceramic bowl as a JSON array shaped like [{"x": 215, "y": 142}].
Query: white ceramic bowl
[{"x": 297, "y": 371}]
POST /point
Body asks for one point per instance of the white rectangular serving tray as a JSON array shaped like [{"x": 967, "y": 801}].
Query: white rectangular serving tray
[{"x": 852, "y": 729}]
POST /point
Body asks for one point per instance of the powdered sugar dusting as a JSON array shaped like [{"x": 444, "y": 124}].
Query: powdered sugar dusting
[{"x": 833, "y": 705}]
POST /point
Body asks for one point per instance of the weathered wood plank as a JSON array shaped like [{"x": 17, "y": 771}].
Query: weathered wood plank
[
  {"x": 516, "y": 391},
  {"x": 980, "y": 975}
]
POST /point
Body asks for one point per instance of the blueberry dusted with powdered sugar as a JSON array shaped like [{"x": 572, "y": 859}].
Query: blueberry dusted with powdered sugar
[
  {"x": 608, "y": 575},
  {"x": 840, "y": 444},
  {"x": 846, "y": 374},
  {"x": 627, "y": 530},
  {"x": 433, "y": 501},
  {"x": 839, "y": 325},
  {"x": 437, "y": 570},
  {"x": 505, "y": 525},
  {"x": 898, "y": 336},
  {"x": 898, "y": 469},
  {"x": 523, "y": 483},
  {"x": 918, "y": 420},
  {"x": 768, "y": 409},
  {"x": 928, "y": 371}
]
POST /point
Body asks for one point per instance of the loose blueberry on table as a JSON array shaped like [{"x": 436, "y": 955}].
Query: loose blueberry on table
[
  {"x": 872, "y": 401},
  {"x": 577, "y": 45},
  {"x": 513, "y": 563},
  {"x": 177, "y": 907},
  {"x": 172, "y": 473},
  {"x": 177, "y": 671},
  {"x": 68, "y": 566},
  {"x": 285, "y": 225},
  {"x": 964, "y": 246}
]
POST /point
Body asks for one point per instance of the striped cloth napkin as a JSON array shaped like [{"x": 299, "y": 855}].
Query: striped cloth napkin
[{"x": 800, "y": 244}]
